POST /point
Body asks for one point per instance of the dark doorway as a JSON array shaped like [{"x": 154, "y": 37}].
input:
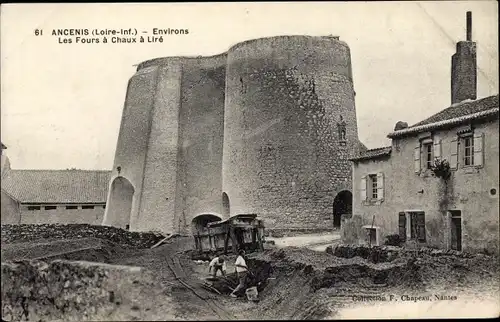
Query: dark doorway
[
  {"x": 240, "y": 238},
  {"x": 342, "y": 204},
  {"x": 226, "y": 210},
  {"x": 372, "y": 236},
  {"x": 456, "y": 229},
  {"x": 199, "y": 223},
  {"x": 120, "y": 204}
]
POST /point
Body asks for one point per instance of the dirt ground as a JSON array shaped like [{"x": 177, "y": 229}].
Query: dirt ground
[{"x": 303, "y": 283}]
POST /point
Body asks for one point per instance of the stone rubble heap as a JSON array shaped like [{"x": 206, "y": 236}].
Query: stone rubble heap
[{"x": 26, "y": 233}]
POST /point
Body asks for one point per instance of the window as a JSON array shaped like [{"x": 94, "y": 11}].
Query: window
[
  {"x": 341, "y": 125},
  {"x": 427, "y": 152},
  {"x": 71, "y": 207},
  {"x": 412, "y": 225},
  {"x": 87, "y": 207},
  {"x": 468, "y": 151},
  {"x": 373, "y": 186},
  {"x": 342, "y": 135},
  {"x": 50, "y": 207},
  {"x": 34, "y": 207}
]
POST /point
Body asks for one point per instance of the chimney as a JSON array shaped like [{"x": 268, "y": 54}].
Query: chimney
[{"x": 464, "y": 68}]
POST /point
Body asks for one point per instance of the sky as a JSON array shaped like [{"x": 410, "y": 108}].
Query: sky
[{"x": 61, "y": 104}]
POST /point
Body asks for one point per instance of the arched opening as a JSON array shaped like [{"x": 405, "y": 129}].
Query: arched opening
[
  {"x": 342, "y": 204},
  {"x": 226, "y": 210},
  {"x": 199, "y": 223},
  {"x": 120, "y": 203},
  {"x": 202, "y": 238}
]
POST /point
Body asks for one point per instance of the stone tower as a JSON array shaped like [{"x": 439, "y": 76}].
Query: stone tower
[
  {"x": 265, "y": 128},
  {"x": 290, "y": 126}
]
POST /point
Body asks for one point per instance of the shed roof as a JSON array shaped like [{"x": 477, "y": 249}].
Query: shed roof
[
  {"x": 57, "y": 186},
  {"x": 373, "y": 153}
]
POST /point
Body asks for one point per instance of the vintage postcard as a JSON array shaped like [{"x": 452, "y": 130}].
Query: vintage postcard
[{"x": 239, "y": 161}]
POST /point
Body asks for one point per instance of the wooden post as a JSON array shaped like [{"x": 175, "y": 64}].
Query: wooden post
[
  {"x": 233, "y": 239},
  {"x": 226, "y": 240},
  {"x": 259, "y": 237},
  {"x": 254, "y": 238}
]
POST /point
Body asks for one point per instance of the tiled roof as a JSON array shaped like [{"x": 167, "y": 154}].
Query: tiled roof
[
  {"x": 462, "y": 109},
  {"x": 454, "y": 115},
  {"x": 373, "y": 153},
  {"x": 57, "y": 186}
]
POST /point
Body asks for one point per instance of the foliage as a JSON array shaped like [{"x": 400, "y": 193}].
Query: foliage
[
  {"x": 393, "y": 240},
  {"x": 441, "y": 168}
]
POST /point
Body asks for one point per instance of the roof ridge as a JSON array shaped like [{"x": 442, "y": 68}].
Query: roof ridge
[
  {"x": 455, "y": 105},
  {"x": 62, "y": 170},
  {"x": 380, "y": 148}
]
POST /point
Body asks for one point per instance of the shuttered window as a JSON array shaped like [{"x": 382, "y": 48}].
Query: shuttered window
[
  {"x": 421, "y": 226},
  {"x": 417, "y": 226},
  {"x": 454, "y": 154},
  {"x": 437, "y": 148},
  {"x": 402, "y": 225},
  {"x": 362, "y": 188},
  {"x": 380, "y": 186},
  {"x": 478, "y": 155},
  {"x": 416, "y": 158}
]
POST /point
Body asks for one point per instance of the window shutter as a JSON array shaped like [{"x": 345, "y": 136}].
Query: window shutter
[
  {"x": 416, "y": 158},
  {"x": 380, "y": 186},
  {"x": 362, "y": 188},
  {"x": 402, "y": 225},
  {"x": 437, "y": 148},
  {"x": 478, "y": 149},
  {"x": 454, "y": 154},
  {"x": 421, "y": 226}
]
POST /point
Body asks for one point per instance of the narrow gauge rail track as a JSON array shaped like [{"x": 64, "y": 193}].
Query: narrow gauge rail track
[{"x": 175, "y": 266}]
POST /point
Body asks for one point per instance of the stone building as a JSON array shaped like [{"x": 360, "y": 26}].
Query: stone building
[
  {"x": 53, "y": 196},
  {"x": 266, "y": 128},
  {"x": 437, "y": 184}
]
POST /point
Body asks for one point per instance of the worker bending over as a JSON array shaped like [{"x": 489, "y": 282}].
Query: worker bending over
[
  {"x": 241, "y": 271},
  {"x": 218, "y": 263}
]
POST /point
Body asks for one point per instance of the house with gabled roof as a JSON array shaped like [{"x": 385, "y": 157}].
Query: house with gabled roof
[
  {"x": 437, "y": 183},
  {"x": 54, "y": 196}
]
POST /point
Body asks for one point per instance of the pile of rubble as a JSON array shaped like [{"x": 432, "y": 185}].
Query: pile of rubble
[
  {"x": 377, "y": 254},
  {"x": 26, "y": 233},
  {"x": 37, "y": 290},
  {"x": 79, "y": 291}
]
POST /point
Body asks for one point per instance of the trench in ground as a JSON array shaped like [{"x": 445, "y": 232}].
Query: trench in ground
[{"x": 292, "y": 284}]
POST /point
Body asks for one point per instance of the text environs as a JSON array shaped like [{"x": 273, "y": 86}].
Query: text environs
[{"x": 169, "y": 31}]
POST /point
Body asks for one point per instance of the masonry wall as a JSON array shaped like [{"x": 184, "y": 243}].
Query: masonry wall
[
  {"x": 259, "y": 123},
  {"x": 133, "y": 138},
  {"x": 159, "y": 190},
  {"x": 468, "y": 190},
  {"x": 10, "y": 210},
  {"x": 61, "y": 215},
  {"x": 201, "y": 139},
  {"x": 283, "y": 158}
]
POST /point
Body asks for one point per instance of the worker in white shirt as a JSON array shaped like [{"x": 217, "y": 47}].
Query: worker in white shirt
[
  {"x": 241, "y": 270},
  {"x": 218, "y": 263}
]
